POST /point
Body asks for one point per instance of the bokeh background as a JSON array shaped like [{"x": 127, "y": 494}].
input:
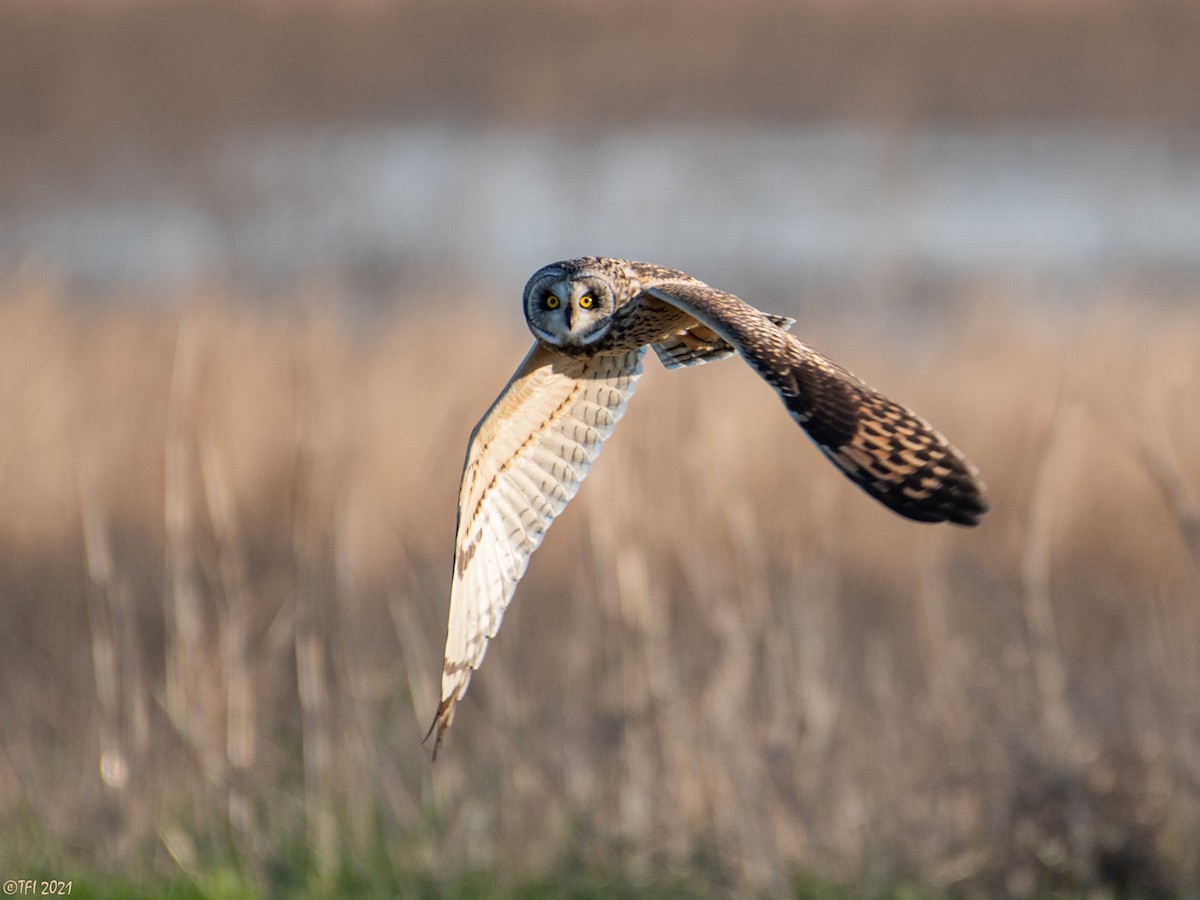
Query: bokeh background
[{"x": 260, "y": 272}]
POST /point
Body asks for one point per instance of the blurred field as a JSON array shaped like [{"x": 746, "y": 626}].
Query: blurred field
[
  {"x": 89, "y": 81},
  {"x": 875, "y": 148},
  {"x": 224, "y": 558}
]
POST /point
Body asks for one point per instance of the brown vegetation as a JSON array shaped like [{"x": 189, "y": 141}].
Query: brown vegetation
[{"x": 225, "y": 542}]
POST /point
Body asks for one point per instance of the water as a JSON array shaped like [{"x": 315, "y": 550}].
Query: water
[{"x": 824, "y": 209}]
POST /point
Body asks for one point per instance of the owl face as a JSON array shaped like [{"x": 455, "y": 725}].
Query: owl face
[{"x": 567, "y": 307}]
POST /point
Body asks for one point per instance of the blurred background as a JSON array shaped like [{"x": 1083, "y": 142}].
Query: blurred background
[{"x": 260, "y": 274}]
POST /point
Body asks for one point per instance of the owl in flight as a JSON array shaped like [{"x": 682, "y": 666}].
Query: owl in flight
[{"x": 593, "y": 320}]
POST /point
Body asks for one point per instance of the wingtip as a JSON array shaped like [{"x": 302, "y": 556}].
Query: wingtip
[
  {"x": 970, "y": 500},
  {"x": 957, "y": 502},
  {"x": 441, "y": 721},
  {"x": 970, "y": 514}
]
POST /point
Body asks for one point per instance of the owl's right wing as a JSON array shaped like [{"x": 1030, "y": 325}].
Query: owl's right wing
[{"x": 525, "y": 461}]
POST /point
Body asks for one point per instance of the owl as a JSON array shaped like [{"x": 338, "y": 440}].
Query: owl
[{"x": 594, "y": 319}]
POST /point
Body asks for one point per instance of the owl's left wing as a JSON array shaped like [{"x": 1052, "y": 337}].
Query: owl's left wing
[
  {"x": 886, "y": 449},
  {"x": 525, "y": 461},
  {"x": 699, "y": 344}
]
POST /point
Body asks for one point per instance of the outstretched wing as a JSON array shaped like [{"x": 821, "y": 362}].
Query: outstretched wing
[
  {"x": 886, "y": 449},
  {"x": 525, "y": 461}
]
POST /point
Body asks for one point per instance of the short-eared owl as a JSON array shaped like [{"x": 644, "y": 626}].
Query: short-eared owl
[{"x": 593, "y": 319}]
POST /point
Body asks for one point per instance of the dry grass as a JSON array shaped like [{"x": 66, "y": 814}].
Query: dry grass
[{"x": 225, "y": 547}]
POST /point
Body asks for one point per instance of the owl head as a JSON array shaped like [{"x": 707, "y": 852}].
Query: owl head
[{"x": 569, "y": 305}]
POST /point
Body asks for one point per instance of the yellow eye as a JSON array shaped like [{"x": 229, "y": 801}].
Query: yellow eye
[
  {"x": 586, "y": 301},
  {"x": 552, "y": 301}
]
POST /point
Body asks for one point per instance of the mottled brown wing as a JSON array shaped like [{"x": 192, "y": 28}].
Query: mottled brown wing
[
  {"x": 525, "y": 461},
  {"x": 886, "y": 449}
]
